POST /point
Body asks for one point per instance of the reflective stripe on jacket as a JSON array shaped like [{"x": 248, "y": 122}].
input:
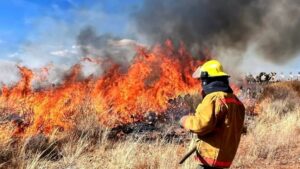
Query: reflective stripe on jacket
[{"x": 218, "y": 122}]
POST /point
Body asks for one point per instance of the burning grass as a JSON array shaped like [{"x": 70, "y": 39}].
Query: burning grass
[
  {"x": 272, "y": 141},
  {"x": 118, "y": 96}
]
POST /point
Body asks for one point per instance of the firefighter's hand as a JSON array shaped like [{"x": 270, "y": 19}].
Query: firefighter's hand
[{"x": 182, "y": 121}]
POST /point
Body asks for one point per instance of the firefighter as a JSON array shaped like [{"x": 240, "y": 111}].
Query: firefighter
[{"x": 218, "y": 120}]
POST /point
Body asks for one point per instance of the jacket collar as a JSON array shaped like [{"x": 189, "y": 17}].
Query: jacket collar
[{"x": 216, "y": 86}]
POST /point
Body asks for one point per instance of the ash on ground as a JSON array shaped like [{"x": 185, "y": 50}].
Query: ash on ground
[{"x": 165, "y": 126}]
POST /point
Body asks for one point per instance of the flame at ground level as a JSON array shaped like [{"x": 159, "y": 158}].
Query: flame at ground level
[{"x": 154, "y": 77}]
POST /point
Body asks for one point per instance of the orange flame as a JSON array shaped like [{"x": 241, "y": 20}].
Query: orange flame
[{"x": 154, "y": 77}]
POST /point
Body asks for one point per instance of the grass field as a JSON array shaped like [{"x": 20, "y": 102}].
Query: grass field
[{"x": 272, "y": 140}]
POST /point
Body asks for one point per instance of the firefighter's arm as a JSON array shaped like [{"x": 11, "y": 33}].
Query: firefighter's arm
[{"x": 204, "y": 120}]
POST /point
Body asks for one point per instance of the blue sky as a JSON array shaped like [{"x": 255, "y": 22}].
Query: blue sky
[
  {"x": 15, "y": 17},
  {"x": 22, "y": 20}
]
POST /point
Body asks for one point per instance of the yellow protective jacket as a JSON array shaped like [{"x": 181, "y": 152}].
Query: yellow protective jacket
[{"x": 218, "y": 122}]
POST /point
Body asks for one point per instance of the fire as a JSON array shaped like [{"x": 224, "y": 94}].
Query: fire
[{"x": 154, "y": 77}]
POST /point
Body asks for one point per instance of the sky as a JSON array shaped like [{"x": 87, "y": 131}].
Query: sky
[
  {"x": 37, "y": 32},
  {"x": 24, "y": 21},
  {"x": 17, "y": 17}
]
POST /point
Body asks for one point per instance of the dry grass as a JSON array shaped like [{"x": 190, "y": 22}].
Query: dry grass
[
  {"x": 272, "y": 141},
  {"x": 273, "y": 138},
  {"x": 128, "y": 155}
]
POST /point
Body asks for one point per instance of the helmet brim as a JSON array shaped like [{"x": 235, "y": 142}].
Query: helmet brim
[{"x": 197, "y": 74}]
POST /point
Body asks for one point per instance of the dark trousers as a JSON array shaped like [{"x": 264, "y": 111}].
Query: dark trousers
[{"x": 206, "y": 167}]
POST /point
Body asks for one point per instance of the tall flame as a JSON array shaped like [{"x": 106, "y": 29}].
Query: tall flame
[{"x": 154, "y": 77}]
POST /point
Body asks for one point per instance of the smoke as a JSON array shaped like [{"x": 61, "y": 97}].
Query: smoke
[
  {"x": 10, "y": 74},
  {"x": 279, "y": 37},
  {"x": 106, "y": 50},
  {"x": 66, "y": 36},
  {"x": 270, "y": 26},
  {"x": 106, "y": 46},
  {"x": 240, "y": 28}
]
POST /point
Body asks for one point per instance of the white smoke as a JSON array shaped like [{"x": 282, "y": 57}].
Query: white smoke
[{"x": 10, "y": 74}]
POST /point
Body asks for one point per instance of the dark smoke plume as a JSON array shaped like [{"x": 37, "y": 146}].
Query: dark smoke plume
[
  {"x": 271, "y": 26},
  {"x": 106, "y": 48}
]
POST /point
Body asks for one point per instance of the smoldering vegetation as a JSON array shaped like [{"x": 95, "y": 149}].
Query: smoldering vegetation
[{"x": 271, "y": 27}]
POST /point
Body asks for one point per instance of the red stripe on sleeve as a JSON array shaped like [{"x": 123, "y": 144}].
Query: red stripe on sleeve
[{"x": 231, "y": 100}]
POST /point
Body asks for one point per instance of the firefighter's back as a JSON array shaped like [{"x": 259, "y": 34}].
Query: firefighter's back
[{"x": 219, "y": 147}]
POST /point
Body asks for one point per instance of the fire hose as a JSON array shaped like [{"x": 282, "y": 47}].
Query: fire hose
[{"x": 187, "y": 155}]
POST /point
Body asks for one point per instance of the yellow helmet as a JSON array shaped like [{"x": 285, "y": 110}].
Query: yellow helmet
[{"x": 212, "y": 68}]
